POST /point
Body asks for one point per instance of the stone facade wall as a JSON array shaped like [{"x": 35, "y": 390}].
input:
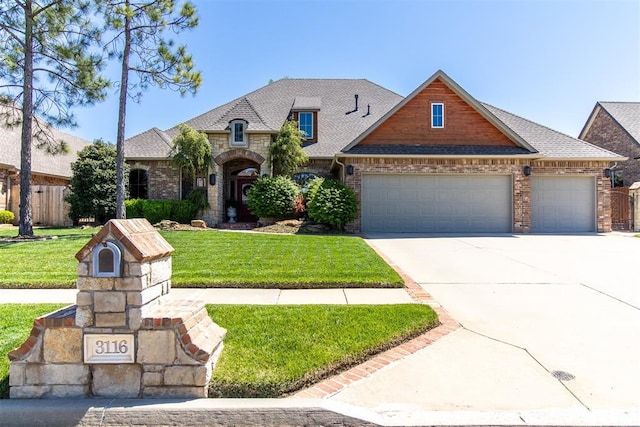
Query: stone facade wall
[
  {"x": 521, "y": 195},
  {"x": 257, "y": 150},
  {"x": 605, "y": 132}
]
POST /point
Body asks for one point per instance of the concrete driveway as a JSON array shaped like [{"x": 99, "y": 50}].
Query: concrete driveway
[{"x": 549, "y": 323}]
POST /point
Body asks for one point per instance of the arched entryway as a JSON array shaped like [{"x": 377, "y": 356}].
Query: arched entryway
[{"x": 239, "y": 176}]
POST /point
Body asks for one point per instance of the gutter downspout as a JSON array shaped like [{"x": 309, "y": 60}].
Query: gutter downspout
[{"x": 342, "y": 178}]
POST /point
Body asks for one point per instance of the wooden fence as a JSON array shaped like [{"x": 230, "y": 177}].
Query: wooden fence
[{"x": 47, "y": 204}]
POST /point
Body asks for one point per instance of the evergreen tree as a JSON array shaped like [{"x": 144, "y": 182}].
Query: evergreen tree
[
  {"x": 93, "y": 184},
  {"x": 46, "y": 67},
  {"x": 192, "y": 152},
  {"x": 285, "y": 153},
  {"x": 137, "y": 31}
]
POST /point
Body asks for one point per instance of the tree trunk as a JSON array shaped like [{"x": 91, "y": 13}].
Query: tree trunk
[
  {"x": 121, "y": 212},
  {"x": 25, "y": 225}
]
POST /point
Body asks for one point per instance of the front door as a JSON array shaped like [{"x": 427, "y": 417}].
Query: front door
[{"x": 242, "y": 189}]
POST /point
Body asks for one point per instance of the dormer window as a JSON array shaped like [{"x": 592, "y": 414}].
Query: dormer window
[
  {"x": 106, "y": 260},
  {"x": 305, "y": 124},
  {"x": 437, "y": 115},
  {"x": 238, "y": 137}
]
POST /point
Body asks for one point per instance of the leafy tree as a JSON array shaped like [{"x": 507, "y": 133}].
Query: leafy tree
[
  {"x": 46, "y": 68},
  {"x": 285, "y": 153},
  {"x": 137, "y": 31},
  {"x": 93, "y": 184},
  {"x": 192, "y": 152}
]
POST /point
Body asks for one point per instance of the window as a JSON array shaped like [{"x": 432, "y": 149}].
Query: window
[
  {"x": 139, "y": 184},
  {"x": 437, "y": 115},
  {"x": 238, "y": 134},
  {"x": 305, "y": 124}
]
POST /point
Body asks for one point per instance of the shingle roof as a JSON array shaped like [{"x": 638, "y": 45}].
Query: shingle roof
[
  {"x": 153, "y": 143},
  {"x": 627, "y": 114},
  {"x": 267, "y": 108},
  {"x": 58, "y": 165},
  {"x": 548, "y": 142}
]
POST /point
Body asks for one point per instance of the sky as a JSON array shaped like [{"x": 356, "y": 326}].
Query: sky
[{"x": 549, "y": 61}]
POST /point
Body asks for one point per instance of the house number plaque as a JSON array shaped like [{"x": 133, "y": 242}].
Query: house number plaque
[{"x": 109, "y": 348}]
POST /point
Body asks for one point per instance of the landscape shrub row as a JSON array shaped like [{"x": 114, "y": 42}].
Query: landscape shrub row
[{"x": 182, "y": 211}]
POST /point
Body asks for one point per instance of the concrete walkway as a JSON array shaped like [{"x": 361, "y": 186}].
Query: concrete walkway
[{"x": 233, "y": 296}]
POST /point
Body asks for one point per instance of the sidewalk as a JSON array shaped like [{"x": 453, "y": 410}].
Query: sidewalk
[{"x": 233, "y": 296}]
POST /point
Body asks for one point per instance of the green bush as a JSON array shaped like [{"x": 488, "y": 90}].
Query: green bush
[
  {"x": 199, "y": 198},
  {"x": 331, "y": 202},
  {"x": 134, "y": 208},
  {"x": 6, "y": 217},
  {"x": 273, "y": 197},
  {"x": 182, "y": 211}
]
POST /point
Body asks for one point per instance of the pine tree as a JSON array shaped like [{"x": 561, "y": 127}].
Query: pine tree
[
  {"x": 47, "y": 66},
  {"x": 137, "y": 38}
]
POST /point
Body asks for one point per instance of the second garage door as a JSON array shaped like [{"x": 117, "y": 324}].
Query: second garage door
[
  {"x": 436, "y": 203},
  {"x": 563, "y": 204}
]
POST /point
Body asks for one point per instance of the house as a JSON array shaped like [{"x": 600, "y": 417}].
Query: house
[
  {"x": 615, "y": 126},
  {"x": 436, "y": 161},
  {"x": 50, "y": 176}
]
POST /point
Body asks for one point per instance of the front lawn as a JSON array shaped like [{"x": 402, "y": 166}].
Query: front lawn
[
  {"x": 211, "y": 259},
  {"x": 273, "y": 350},
  {"x": 16, "y": 321},
  {"x": 270, "y": 350}
]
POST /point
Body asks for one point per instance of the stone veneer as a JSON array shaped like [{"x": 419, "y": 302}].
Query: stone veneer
[
  {"x": 176, "y": 343},
  {"x": 521, "y": 185}
]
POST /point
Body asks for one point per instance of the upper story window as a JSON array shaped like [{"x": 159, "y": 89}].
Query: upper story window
[
  {"x": 305, "y": 124},
  {"x": 238, "y": 136},
  {"x": 437, "y": 115}
]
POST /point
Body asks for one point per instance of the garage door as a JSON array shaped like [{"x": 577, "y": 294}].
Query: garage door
[
  {"x": 563, "y": 204},
  {"x": 436, "y": 203}
]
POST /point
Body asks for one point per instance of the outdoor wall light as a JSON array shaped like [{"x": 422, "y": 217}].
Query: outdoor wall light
[
  {"x": 349, "y": 169},
  {"x": 212, "y": 179},
  {"x": 526, "y": 170},
  {"x": 607, "y": 173}
]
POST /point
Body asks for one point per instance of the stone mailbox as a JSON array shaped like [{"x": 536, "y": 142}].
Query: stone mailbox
[{"x": 124, "y": 337}]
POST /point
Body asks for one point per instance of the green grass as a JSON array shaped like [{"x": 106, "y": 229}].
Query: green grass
[
  {"x": 16, "y": 321},
  {"x": 270, "y": 351},
  {"x": 211, "y": 259}
]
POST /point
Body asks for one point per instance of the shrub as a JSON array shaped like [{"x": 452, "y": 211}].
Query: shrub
[
  {"x": 182, "y": 211},
  {"x": 199, "y": 198},
  {"x": 273, "y": 197},
  {"x": 331, "y": 202},
  {"x": 134, "y": 208},
  {"x": 6, "y": 217}
]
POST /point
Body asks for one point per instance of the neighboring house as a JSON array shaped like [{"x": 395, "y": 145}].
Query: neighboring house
[
  {"x": 435, "y": 161},
  {"x": 50, "y": 176},
  {"x": 615, "y": 126}
]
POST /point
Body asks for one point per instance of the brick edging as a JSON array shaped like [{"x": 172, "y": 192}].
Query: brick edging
[{"x": 330, "y": 386}]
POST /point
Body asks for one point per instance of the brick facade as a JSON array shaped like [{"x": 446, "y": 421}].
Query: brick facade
[
  {"x": 411, "y": 124},
  {"x": 607, "y": 133},
  {"x": 521, "y": 195},
  {"x": 164, "y": 179}
]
